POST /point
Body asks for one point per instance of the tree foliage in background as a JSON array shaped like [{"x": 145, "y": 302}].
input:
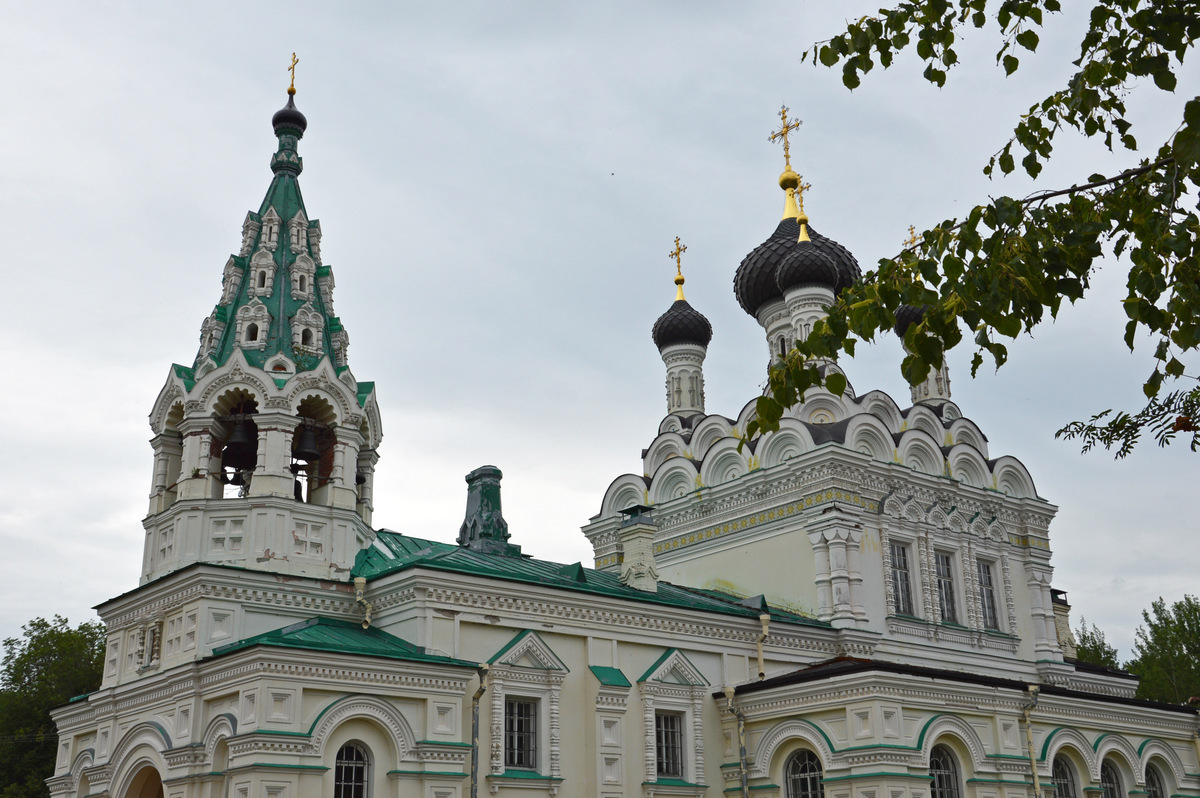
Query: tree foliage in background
[
  {"x": 1091, "y": 647},
  {"x": 1008, "y": 264},
  {"x": 44, "y": 668},
  {"x": 1167, "y": 651}
]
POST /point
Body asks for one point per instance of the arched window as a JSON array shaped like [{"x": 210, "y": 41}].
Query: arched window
[
  {"x": 1110, "y": 781},
  {"x": 944, "y": 772},
  {"x": 252, "y": 332},
  {"x": 1063, "y": 778},
  {"x": 306, "y": 337},
  {"x": 1155, "y": 786},
  {"x": 262, "y": 279},
  {"x": 350, "y": 772},
  {"x": 303, "y": 283},
  {"x": 802, "y": 775}
]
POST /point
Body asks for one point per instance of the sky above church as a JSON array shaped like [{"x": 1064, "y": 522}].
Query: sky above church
[{"x": 499, "y": 186}]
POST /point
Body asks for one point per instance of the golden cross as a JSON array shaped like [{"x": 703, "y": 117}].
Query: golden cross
[
  {"x": 292, "y": 69},
  {"x": 785, "y": 128},
  {"x": 677, "y": 254},
  {"x": 913, "y": 240},
  {"x": 800, "y": 189}
]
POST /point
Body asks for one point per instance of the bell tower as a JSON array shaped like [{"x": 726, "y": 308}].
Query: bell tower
[{"x": 265, "y": 446}]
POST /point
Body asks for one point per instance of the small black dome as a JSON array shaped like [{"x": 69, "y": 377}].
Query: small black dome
[
  {"x": 806, "y": 265},
  {"x": 905, "y": 316},
  {"x": 754, "y": 282},
  {"x": 681, "y": 324},
  {"x": 290, "y": 118},
  {"x": 848, "y": 271}
]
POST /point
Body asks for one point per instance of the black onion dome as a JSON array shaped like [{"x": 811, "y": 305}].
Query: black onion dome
[
  {"x": 907, "y": 315},
  {"x": 754, "y": 282},
  {"x": 681, "y": 324},
  {"x": 806, "y": 265},
  {"x": 289, "y": 117},
  {"x": 849, "y": 272}
]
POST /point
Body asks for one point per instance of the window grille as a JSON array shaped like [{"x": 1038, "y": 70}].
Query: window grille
[
  {"x": 1063, "y": 777},
  {"x": 520, "y": 733},
  {"x": 1110, "y": 782},
  {"x": 945, "y": 585},
  {"x": 668, "y": 744},
  {"x": 987, "y": 597},
  {"x": 1154, "y": 783},
  {"x": 802, "y": 775},
  {"x": 944, "y": 772},
  {"x": 350, "y": 772},
  {"x": 901, "y": 580}
]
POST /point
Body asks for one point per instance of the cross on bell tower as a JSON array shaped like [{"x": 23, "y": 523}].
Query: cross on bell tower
[{"x": 789, "y": 181}]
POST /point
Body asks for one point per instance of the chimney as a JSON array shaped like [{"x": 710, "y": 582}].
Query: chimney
[
  {"x": 636, "y": 540},
  {"x": 484, "y": 529}
]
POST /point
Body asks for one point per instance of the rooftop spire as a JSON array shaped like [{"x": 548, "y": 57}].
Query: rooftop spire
[
  {"x": 677, "y": 254},
  {"x": 292, "y": 69},
  {"x": 788, "y": 180},
  {"x": 802, "y": 217}
]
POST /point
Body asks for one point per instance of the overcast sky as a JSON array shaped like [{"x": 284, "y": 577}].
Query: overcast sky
[{"x": 498, "y": 186}]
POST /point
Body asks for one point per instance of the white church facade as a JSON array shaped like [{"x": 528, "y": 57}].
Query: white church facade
[{"x": 858, "y": 605}]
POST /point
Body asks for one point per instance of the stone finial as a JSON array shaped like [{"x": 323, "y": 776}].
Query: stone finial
[
  {"x": 636, "y": 537},
  {"x": 484, "y": 528}
]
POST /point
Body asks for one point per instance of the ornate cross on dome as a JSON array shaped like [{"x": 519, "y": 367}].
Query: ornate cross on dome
[
  {"x": 785, "y": 128},
  {"x": 677, "y": 254},
  {"x": 292, "y": 69},
  {"x": 912, "y": 239},
  {"x": 801, "y": 187}
]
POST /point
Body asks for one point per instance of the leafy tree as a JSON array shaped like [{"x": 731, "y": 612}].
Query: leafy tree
[
  {"x": 1091, "y": 647},
  {"x": 1002, "y": 268},
  {"x": 44, "y": 668},
  {"x": 1167, "y": 651}
]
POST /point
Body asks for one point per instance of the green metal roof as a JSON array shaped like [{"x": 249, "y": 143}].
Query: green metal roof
[
  {"x": 392, "y": 552},
  {"x": 609, "y": 677},
  {"x": 342, "y": 637}
]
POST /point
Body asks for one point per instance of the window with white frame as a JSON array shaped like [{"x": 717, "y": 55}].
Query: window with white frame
[
  {"x": 901, "y": 579},
  {"x": 944, "y": 565},
  {"x": 668, "y": 744},
  {"x": 520, "y": 733},
  {"x": 1155, "y": 786},
  {"x": 987, "y": 596}
]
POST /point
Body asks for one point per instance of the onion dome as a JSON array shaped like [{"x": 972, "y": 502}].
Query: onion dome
[
  {"x": 681, "y": 324},
  {"x": 907, "y": 315},
  {"x": 806, "y": 264},
  {"x": 754, "y": 281},
  {"x": 289, "y": 119},
  {"x": 849, "y": 272}
]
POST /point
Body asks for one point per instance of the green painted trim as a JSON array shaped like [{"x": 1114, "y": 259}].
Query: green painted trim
[
  {"x": 440, "y": 774},
  {"x": 732, "y": 765},
  {"x": 666, "y": 654},
  {"x": 1049, "y": 737},
  {"x": 521, "y": 636},
  {"x": 1147, "y": 741},
  {"x": 524, "y": 774},
  {"x": 281, "y": 766},
  {"x": 1096, "y": 744},
  {"x": 1138, "y": 792},
  {"x": 609, "y": 677},
  {"x": 876, "y": 775}
]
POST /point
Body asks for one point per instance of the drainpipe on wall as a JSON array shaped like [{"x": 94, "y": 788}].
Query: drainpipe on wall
[
  {"x": 765, "y": 620},
  {"x": 1028, "y": 709},
  {"x": 741, "y": 732},
  {"x": 483, "y": 672},
  {"x": 360, "y": 585}
]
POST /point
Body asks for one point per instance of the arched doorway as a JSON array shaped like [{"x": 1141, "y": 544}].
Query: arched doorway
[{"x": 146, "y": 784}]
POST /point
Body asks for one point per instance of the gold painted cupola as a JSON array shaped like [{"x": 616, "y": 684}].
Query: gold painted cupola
[{"x": 265, "y": 447}]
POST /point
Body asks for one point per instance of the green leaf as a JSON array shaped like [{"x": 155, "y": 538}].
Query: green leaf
[
  {"x": 1153, "y": 384},
  {"x": 828, "y": 56},
  {"x": 1006, "y": 162},
  {"x": 1174, "y": 368},
  {"x": 1164, "y": 79},
  {"x": 1028, "y": 39},
  {"x": 1186, "y": 146},
  {"x": 1010, "y": 64}
]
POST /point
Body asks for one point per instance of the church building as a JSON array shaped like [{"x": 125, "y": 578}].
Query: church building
[{"x": 858, "y": 605}]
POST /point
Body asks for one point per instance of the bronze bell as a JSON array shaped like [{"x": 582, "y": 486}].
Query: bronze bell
[
  {"x": 241, "y": 450},
  {"x": 306, "y": 448}
]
